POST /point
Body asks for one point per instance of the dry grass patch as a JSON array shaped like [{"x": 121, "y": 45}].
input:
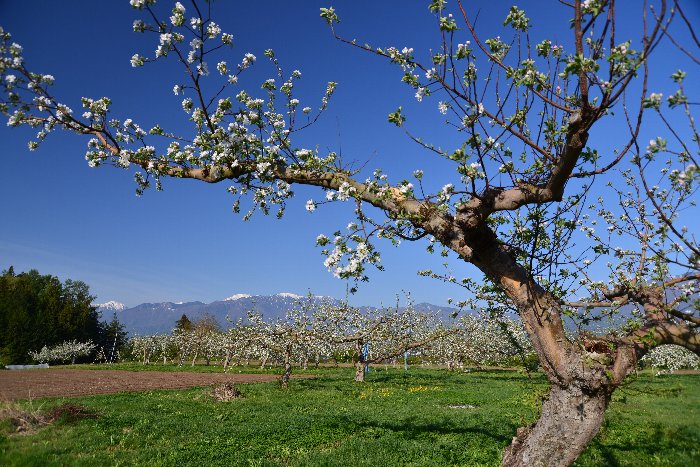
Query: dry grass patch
[
  {"x": 226, "y": 392},
  {"x": 25, "y": 418}
]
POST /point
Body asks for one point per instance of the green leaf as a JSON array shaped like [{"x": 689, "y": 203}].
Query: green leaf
[
  {"x": 329, "y": 15},
  {"x": 396, "y": 118}
]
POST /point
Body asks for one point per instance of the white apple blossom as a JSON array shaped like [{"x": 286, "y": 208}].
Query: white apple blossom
[
  {"x": 248, "y": 60},
  {"x": 139, "y": 25},
  {"x": 137, "y": 60},
  {"x": 213, "y": 30},
  {"x": 406, "y": 188},
  {"x": 178, "y": 16}
]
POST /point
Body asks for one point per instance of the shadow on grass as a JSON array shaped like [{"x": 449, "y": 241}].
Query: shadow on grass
[
  {"x": 413, "y": 428},
  {"x": 616, "y": 447},
  {"x": 444, "y": 376}
]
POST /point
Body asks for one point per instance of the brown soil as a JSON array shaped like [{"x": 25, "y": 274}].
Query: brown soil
[{"x": 60, "y": 382}]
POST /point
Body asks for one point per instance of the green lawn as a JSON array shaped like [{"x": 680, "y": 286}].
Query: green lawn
[{"x": 396, "y": 418}]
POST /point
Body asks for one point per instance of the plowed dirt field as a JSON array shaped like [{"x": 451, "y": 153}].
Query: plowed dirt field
[{"x": 60, "y": 382}]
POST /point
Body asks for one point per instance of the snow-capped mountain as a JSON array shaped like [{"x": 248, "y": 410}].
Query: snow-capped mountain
[
  {"x": 288, "y": 295},
  {"x": 237, "y": 296},
  {"x": 110, "y": 306},
  {"x": 154, "y": 318},
  {"x": 158, "y": 318}
]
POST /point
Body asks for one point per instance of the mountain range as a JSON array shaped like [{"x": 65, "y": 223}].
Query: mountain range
[{"x": 160, "y": 318}]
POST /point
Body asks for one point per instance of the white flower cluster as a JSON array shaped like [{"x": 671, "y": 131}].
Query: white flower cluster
[
  {"x": 355, "y": 264},
  {"x": 671, "y": 358},
  {"x": 446, "y": 192},
  {"x": 248, "y": 60},
  {"x": 213, "y": 30},
  {"x": 654, "y": 100},
  {"x": 139, "y": 25},
  {"x": 463, "y": 49},
  {"x": 402, "y": 57},
  {"x": 65, "y": 352},
  {"x": 137, "y": 60},
  {"x": 178, "y": 17},
  {"x": 345, "y": 191}
]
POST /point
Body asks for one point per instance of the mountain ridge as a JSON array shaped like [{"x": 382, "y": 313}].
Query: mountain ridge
[{"x": 160, "y": 317}]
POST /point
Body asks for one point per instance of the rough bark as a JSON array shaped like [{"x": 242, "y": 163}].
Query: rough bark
[
  {"x": 570, "y": 418},
  {"x": 360, "y": 370},
  {"x": 579, "y": 394},
  {"x": 287, "y": 368},
  {"x": 360, "y": 362}
]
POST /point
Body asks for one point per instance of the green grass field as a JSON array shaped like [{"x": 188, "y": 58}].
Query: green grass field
[{"x": 396, "y": 418}]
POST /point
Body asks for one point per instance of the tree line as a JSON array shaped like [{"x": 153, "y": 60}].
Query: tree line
[{"x": 39, "y": 310}]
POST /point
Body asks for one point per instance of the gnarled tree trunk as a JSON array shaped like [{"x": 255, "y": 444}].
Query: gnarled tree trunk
[
  {"x": 570, "y": 419},
  {"x": 287, "y": 367}
]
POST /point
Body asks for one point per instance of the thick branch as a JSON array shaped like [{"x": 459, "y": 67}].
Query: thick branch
[{"x": 495, "y": 199}]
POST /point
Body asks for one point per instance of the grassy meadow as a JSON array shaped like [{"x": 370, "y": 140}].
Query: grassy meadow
[{"x": 422, "y": 417}]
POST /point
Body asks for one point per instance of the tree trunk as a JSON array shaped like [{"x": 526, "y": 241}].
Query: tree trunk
[
  {"x": 570, "y": 419},
  {"x": 360, "y": 370},
  {"x": 287, "y": 367},
  {"x": 360, "y": 362}
]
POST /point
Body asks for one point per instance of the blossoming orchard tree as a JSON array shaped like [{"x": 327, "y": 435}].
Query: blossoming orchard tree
[
  {"x": 374, "y": 336},
  {"x": 559, "y": 224},
  {"x": 289, "y": 338}
]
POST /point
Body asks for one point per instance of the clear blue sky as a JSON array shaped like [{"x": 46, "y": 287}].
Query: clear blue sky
[{"x": 63, "y": 218}]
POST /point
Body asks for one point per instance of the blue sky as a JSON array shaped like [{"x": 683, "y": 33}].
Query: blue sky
[{"x": 64, "y": 218}]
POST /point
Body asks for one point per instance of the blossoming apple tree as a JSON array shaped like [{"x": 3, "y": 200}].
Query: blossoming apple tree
[
  {"x": 66, "y": 351},
  {"x": 287, "y": 338},
  {"x": 374, "y": 335},
  {"x": 561, "y": 225},
  {"x": 480, "y": 341}
]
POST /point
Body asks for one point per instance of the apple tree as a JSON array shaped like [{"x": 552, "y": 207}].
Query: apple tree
[{"x": 560, "y": 222}]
